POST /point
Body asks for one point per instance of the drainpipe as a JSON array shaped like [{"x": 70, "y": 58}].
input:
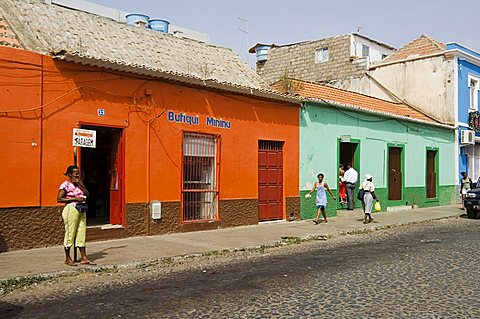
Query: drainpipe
[
  {"x": 148, "y": 167},
  {"x": 148, "y": 176},
  {"x": 41, "y": 131}
]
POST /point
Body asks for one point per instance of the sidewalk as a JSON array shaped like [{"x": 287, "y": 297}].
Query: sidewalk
[{"x": 130, "y": 250}]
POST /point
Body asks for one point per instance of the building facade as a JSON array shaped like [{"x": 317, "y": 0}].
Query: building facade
[
  {"x": 410, "y": 156},
  {"x": 441, "y": 81},
  {"x": 467, "y": 79},
  {"x": 183, "y": 142},
  {"x": 319, "y": 60}
]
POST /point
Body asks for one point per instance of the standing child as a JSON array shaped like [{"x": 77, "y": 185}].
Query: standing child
[
  {"x": 342, "y": 190},
  {"x": 321, "y": 198}
]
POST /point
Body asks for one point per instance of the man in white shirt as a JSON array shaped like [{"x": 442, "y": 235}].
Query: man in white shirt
[{"x": 350, "y": 177}]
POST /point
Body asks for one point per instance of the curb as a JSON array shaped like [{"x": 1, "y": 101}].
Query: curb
[{"x": 12, "y": 284}]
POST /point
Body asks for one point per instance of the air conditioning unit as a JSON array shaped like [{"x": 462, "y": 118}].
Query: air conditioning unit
[{"x": 467, "y": 137}]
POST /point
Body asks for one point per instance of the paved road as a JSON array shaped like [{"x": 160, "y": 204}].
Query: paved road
[{"x": 429, "y": 270}]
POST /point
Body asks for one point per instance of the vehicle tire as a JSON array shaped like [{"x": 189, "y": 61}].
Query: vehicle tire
[{"x": 471, "y": 214}]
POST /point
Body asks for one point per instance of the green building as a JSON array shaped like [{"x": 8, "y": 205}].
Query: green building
[{"x": 410, "y": 155}]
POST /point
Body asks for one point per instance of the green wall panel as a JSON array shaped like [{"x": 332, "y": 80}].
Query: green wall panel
[{"x": 308, "y": 209}]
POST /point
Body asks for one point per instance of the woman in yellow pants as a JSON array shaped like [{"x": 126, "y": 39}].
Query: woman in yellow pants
[{"x": 73, "y": 193}]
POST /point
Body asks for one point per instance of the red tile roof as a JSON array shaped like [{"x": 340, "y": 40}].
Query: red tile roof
[
  {"x": 354, "y": 100},
  {"x": 422, "y": 46}
]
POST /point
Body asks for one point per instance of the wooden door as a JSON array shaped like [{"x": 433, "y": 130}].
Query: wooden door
[
  {"x": 431, "y": 174},
  {"x": 395, "y": 174},
  {"x": 270, "y": 180},
  {"x": 116, "y": 178}
]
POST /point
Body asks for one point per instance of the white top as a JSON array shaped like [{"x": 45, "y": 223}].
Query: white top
[
  {"x": 351, "y": 176},
  {"x": 368, "y": 186}
]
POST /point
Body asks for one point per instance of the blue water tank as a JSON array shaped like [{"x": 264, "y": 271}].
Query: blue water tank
[
  {"x": 137, "y": 19},
  {"x": 262, "y": 52},
  {"x": 158, "y": 25}
]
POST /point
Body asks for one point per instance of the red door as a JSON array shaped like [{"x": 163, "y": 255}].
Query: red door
[
  {"x": 116, "y": 178},
  {"x": 395, "y": 174},
  {"x": 270, "y": 180}
]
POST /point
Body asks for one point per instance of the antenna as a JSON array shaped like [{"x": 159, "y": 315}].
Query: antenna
[
  {"x": 359, "y": 28},
  {"x": 245, "y": 31}
]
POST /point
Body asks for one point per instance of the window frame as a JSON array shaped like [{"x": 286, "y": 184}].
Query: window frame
[
  {"x": 213, "y": 216},
  {"x": 473, "y": 92},
  {"x": 367, "y": 49},
  {"x": 322, "y": 50}
]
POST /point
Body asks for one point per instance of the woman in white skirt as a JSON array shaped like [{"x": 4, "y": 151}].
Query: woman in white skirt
[{"x": 369, "y": 198}]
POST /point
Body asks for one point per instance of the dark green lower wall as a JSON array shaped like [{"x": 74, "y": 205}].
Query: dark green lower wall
[
  {"x": 308, "y": 209},
  {"x": 411, "y": 196}
]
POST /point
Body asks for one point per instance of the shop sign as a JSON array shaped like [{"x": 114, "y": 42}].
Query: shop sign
[
  {"x": 211, "y": 121},
  {"x": 195, "y": 120},
  {"x": 182, "y": 118},
  {"x": 84, "y": 138}
]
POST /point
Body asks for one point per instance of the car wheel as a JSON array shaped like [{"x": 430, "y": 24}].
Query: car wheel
[{"x": 471, "y": 214}]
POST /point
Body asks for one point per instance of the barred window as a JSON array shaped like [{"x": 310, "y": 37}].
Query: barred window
[{"x": 200, "y": 177}]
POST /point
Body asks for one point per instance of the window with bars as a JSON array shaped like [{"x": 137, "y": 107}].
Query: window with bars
[
  {"x": 473, "y": 155},
  {"x": 200, "y": 177}
]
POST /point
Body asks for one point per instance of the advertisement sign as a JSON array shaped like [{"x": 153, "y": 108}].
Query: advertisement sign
[{"x": 84, "y": 138}]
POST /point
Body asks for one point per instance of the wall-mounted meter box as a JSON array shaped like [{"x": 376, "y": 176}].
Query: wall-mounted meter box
[{"x": 156, "y": 209}]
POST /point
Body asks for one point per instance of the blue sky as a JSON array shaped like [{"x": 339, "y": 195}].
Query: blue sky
[{"x": 281, "y": 22}]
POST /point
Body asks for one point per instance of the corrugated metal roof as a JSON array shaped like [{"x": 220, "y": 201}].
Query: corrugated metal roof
[
  {"x": 50, "y": 29},
  {"x": 179, "y": 78}
]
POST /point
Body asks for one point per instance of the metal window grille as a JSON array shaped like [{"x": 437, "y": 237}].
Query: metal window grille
[
  {"x": 270, "y": 145},
  {"x": 473, "y": 155},
  {"x": 200, "y": 177}
]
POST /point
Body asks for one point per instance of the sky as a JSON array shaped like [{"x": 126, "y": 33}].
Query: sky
[{"x": 282, "y": 22}]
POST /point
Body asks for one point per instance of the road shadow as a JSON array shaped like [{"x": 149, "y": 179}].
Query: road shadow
[
  {"x": 8, "y": 310},
  {"x": 102, "y": 254}
]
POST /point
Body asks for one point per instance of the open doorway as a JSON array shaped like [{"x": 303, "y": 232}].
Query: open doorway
[
  {"x": 349, "y": 153},
  {"x": 103, "y": 170}
]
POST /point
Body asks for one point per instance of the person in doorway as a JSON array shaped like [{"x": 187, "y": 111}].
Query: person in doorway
[
  {"x": 465, "y": 183},
  {"x": 342, "y": 186},
  {"x": 350, "y": 177},
  {"x": 73, "y": 193},
  {"x": 368, "y": 198},
  {"x": 321, "y": 198}
]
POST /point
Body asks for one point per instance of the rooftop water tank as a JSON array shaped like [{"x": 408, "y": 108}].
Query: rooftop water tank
[
  {"x": 262, "y": 52},
  {"x": 138, "y": 19},
  {"x": 158, "y": 25}
]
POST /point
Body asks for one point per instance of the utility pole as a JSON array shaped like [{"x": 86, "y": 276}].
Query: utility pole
[{"x": 245, "y": 31}]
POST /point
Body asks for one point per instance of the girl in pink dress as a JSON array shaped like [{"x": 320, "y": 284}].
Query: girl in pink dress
[{"x": 342, "y": 186}]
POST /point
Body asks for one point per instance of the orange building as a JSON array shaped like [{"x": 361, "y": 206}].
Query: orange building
[{"x": 174, "y": 150}]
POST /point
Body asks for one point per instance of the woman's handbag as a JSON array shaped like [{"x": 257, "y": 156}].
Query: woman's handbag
[
  {"x": 81, "y": 207},
  {"x": 377, "y": 207},
  {"x": 361, "y": 194}
]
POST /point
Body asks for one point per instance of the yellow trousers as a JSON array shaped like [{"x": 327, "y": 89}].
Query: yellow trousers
[{"x": 75, "y": 226}]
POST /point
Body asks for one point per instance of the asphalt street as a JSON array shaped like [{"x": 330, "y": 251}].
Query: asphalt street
[{"x": 428, "y": 270}]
